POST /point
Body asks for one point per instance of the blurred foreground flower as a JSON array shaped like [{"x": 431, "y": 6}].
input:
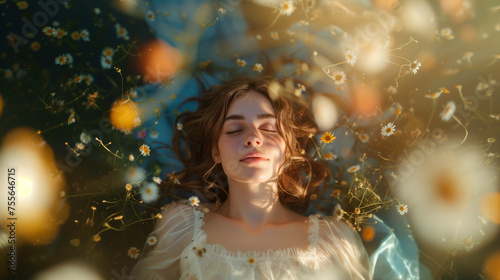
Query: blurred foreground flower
[
  {"x": 74, "y": 270},
  {"x": 325, "y": 111},
  {"x": 445, "y": 193},
  {"x": 32, "y": 188},
  {"x": 124, "y": 115},
  {"x": 160, "y": 61}
]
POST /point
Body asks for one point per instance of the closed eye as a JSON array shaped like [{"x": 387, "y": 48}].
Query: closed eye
[{"x": 233, "y": 132}]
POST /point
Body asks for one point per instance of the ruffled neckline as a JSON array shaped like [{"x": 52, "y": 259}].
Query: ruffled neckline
[{"x": 219, "y": 250}]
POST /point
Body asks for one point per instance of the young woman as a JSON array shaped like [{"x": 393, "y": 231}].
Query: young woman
[{"x": 245, "y": 149}]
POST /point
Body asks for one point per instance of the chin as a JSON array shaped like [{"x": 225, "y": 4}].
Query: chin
[{"x": 255, "y": 177}]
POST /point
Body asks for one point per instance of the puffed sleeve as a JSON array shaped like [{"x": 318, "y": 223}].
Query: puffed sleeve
[
  {"x": 174, "y": 232},
  {"x": 343, "y": 246}
]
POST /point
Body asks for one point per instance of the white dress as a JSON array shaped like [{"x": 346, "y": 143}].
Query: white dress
[{"x": 335, "y": 251}]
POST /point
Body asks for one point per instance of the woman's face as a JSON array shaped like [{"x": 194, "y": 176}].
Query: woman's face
[{"x": 251, "y": 149}]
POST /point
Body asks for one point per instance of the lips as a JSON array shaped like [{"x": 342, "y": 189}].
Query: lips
[{"x": 254, "y": 157}]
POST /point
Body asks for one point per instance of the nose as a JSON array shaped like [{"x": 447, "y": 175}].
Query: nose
[{"x": 253, "y": 139}]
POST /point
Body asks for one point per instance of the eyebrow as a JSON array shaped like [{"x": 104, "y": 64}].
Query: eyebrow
[{"x": 259, "y": 117}]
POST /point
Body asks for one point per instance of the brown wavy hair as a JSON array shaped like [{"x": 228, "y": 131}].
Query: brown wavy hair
[{"x": 193, "y": 145}]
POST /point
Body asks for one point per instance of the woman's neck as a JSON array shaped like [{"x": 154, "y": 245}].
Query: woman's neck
[{"x": 255, "y": 204}]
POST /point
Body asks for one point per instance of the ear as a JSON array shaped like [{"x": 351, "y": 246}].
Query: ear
[{"x": 215, "y": 155}]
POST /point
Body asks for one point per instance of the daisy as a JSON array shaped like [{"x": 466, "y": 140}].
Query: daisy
[
  {"x": 133, "y": 252},
  {"x": 35, "y": 46},
  {"x": 258, "y": 67},
  {"x": 71, "y": 119},
  {"x": 351, "y": 57},
  {"x": 157, "y": 180},
  {"x": 338, "y": 212},
  {"x": 388, "y": 129},
  {"x": 151, "y": 16},
  {"x": 106, "y": 62},
  {"x": 179, "y": 126},
  {"x": 195, "y": 201},
  {"x": 446, "y": 32},
  {"x": 131, "y": 157},
  {"x": 152, "y": 240},
  {"x": 107, "y": 51},
  {"x": 330, "y": 156},
  {"x": 448, "y": 111},
  {"x": 353, "y": 168},
  {"x": 275, "y": 35},
  {"x": 135, "y": 174},
  {"x": 434, "y": 95},
  {"x": 128, "y": 187},
  {"x": 78, "y": 79},
  {"x": 327, "y": 137},
  {"x": 7, "y": 73},
  {"x": 149, "y": 192},
  {"x": 49, "y": 31},
  {"x": 446, "y": 194},
  {"x": 22, "y": 5},
  {"x": 75, "y": 36},
  {"x": 144, "y": 150},
  {"x": 402, "y": 209},
  {"x": 88, "y": 78},
  {"x": 60, "y": 33},
  {"x": 241, "y": 62},
  {"x": 65, "y": 59},
  {"x": 286, "y": 8},
  {"x": 301, "y": 87},
  {"x": 415, "y": 66},
  {"x": 467, "y": 56},
  {"x": 338, "y": 77},
  {"x": 363, "y": 137},
  {"x": 84, "y": 137},
  {"x": 121, "y": 32},
  {"x": 85, "y": 35}
]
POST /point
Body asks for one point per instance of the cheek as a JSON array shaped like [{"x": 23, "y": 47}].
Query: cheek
[{"x": 228, "y": 148}]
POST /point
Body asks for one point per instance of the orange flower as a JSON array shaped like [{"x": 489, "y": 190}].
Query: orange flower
[
  {"x": 144, "y": 150},
  {"x": 327, "y": 137}
]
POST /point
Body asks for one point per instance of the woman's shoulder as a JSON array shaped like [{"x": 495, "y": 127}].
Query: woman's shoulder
[
  {"x": 336, "y": 227},
  {"x": 180, "y": 213}
]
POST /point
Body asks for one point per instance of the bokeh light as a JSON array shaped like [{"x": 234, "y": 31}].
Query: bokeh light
[
  {"x": 125, "y": 115},
  {"x": 325, "y": 111},
  {"x": 159, "y": 62},
  {"x": 490, "y": 207},
  {"x": 40, "y": 209},
  {"x": 75, "y": 270},
  {"x": 366, "y": 98}
]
